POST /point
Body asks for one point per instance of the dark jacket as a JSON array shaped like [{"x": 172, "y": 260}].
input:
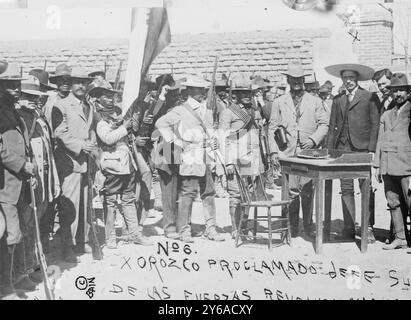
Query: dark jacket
[{"x": 363, "y": 120}]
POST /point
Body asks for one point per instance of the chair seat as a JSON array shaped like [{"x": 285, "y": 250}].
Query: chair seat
[{"x": 265, "y": 203}]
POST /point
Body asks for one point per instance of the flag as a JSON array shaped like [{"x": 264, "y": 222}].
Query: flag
[{"x": 150, "y": 34}]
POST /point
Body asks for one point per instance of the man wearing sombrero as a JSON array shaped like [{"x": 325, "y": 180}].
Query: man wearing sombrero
[
  {"x": 353, "y": 127},
  {"x": 72, "y": 121},
  {"x": 239, "y": 122},
  {"x": 393, "y": 157},
  {"x": 42, "y": 146},
  {"x": 16, "y": 169},
  {"x": 117, "y": 164},
  {"x": 305, "y": 124}
]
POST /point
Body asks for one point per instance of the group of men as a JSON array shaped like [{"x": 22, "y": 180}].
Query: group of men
[{"x": 61, "y": 133}]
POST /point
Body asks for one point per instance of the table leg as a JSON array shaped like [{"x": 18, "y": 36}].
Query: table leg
[
  {"x": 319, "y": 214},
  {"x": 328, "y": 205},
  {"x": 365, "y": 199}
]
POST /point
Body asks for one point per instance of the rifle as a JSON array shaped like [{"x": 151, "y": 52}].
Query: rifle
[
  {"x": 91, "y": 216},
  {"x": 211, "y": 98},
  {"x": 118, "y": 75},
  {"x": 48, "y": 288}
]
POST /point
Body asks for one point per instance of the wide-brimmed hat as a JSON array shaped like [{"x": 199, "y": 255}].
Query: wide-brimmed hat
[
  {"x": 97, "y": 73},
  {"x": 61, "y": 71},
  {"x": 364, "y": 72},
  {"x": 3, "y": 65},
  {"x": 43, "y": 77},
  {"x": 399, "y": 80},
  {"x": 315, "y": 85},
  {"x": 259, "y": 83},
  {"x": 240, "y": 82},
  {"x": 12, "y": 73},
  {"x": 295, "y": 71},
  {"x": 31, "y": 85},
  {"x": 79, "y": 73},
  {"x": 196, "y": 82},
  {"x": 97, "y": 88}
]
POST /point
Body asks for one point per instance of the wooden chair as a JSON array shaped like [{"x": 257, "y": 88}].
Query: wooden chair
[{"x": 257, "y": 198}]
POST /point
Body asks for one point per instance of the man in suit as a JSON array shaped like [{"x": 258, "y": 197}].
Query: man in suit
[
  {"x": 353, "y": 127},
  {"x": 72, "y": 120},
  {"x": 382, "y": 79},
  {"x": 393, "y": 157},
  {"x": 183, "y": 125},
  {"x": 15, "y": 171},
  {"x": 306, "y": 124}
]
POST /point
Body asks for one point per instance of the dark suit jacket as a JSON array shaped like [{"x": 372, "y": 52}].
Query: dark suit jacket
[
  {"x": 363, "y": 120},
  {"x": 14, "y": 152}
]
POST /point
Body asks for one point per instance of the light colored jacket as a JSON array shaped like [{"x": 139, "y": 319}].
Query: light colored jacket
[
  {"x": 116, "y": 157},
  {"x": 243, "y": 149},
  {"x": 313, "y": 122},
  {"x": 180, "y": 127},
  {"x": 393, "y": 153},
  {"x": 72, "y": 129}
]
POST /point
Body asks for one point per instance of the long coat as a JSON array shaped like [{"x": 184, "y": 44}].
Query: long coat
[
  {"x": 72, "y": 127},
  {"x": 42, "y": 147},
  {"x": 180, "y": 127},
  {"x": 363, "y": 120},
  {"x": 393, "y": 154},
  {"x": 14, "y": 152},
  {"x": 313, "y": 123}
]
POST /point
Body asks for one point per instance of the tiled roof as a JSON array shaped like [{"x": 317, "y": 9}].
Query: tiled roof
[{"x": 265, "y": 53}]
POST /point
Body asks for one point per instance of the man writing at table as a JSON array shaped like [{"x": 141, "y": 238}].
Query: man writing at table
[
  {"x": 353, "y": 127},
  {"x": 306, "y": 124}
]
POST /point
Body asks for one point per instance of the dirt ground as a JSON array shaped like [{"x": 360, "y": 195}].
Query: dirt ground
[{"x": 210, "y": 270}]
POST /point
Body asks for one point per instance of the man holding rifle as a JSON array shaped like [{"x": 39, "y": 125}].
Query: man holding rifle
[
  {"x": 184, "y": 126},
  {"x": 72, "y": 120},
  {"x": 239, "y": 122}
]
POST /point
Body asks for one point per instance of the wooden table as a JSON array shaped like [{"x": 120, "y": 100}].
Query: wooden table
[{"x": 348, "y": 166}]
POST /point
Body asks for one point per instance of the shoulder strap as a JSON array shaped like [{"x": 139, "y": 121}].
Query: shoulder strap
[
  {"x": 195, "y": 115},
  {"x": 33, "y": 127}
]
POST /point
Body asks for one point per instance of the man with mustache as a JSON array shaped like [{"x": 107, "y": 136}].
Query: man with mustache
[
  {"x": 306, "y": 124},
  {"x": 382, "y": 78},
  {"x": 353, "y": 127},
  {"x": 72, "y": 120},
  {"x": 242, "y": 144},
  {"x": 183, "y": 125},
  {"x": 393, "y": 157}
]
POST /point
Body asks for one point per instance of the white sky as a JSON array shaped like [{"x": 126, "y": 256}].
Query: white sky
[{"x": 111, "y": 18}]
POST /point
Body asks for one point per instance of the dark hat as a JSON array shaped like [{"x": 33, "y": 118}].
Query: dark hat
[
  {"x": 97, "y": 73},
  {"x": 97, "y": 88},
  {"x": 164, "y": 79},
  {"x": 43, "y": 77},
  {"x": 61, "y": 70},
  {"x": 399, "y": 80},
  {"x": 312, "y": 85}
]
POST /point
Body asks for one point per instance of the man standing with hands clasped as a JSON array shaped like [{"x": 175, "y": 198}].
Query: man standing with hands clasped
[
  {"x": 353, "y": 127},
  {"x": 393, "y": 158},
  {"x": 305, "y": 123}
]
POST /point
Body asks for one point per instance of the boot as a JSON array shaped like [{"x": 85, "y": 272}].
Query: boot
[
  {"x": 69, "y": 256},
  {"x": 185, "y": 207},
  {"x": 234, "y": 222},
  {"x": 6, "y": 286},
  {"x": 294, "y": 212},
  {"x": 399, "y": 229},
  {"x": 348, "y": 206}
]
